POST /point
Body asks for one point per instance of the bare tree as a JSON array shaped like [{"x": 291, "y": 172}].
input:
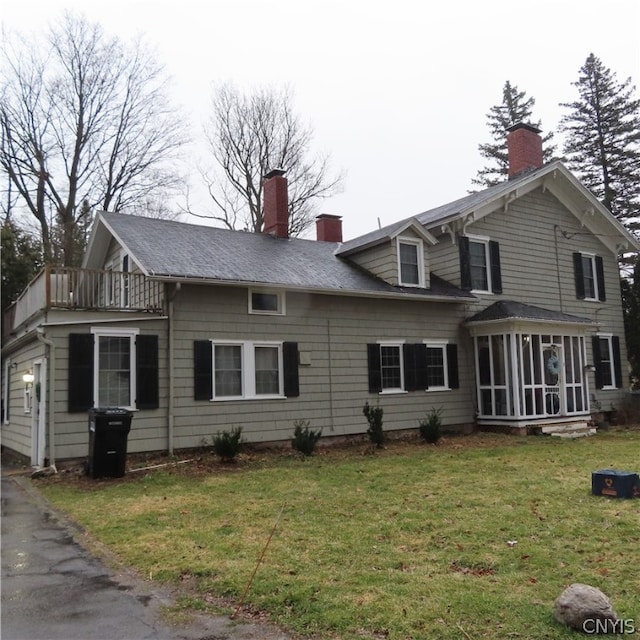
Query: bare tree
[
  {"x": 249, "y": 134},
  {"x": 86, "y": 125}
]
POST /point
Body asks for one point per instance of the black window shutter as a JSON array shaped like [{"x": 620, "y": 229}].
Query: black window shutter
[
  {"x": 415, "y": 366},
  {"x": 496, "y": 272},
  {"x": 373, "y": 364},
  {"x": 147, "y": 372},
  {"x": 600, "y": 276},
  {"x": 452, "y": 362},
  {"x": 290, "y": 366},
  {"x": 202, "y": 370},
  {"x": 597, "y": 361},
  {"x": 579, "y": 275},
  {"x": 80, "y": 392},
  {"x": 465, "y": 264},
  {"x": 617, "y": 363}
]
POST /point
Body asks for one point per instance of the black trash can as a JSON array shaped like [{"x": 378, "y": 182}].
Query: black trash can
[{"x": 108, "y": 431}]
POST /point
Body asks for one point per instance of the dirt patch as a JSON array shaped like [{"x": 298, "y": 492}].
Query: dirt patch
[{"x": 202, "y": 462}]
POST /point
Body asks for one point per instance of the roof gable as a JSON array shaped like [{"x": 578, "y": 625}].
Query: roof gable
[
  {"x": 386, "y": 234},
  {"x": 554, "y": 177}
]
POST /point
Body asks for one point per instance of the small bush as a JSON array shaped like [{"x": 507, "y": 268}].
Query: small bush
[
  {"x": 374, "y": 417},
  {"x": 228, "y": 444},
  {"x": 430, "y": 426},
  {"x": 304, "y": 439}
]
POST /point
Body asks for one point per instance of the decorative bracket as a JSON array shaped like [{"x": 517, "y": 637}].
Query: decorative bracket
[{"x": 457, "y": 227}]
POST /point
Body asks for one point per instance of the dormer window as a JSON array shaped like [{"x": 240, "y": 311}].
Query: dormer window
[{"x": 410, "y": 262}]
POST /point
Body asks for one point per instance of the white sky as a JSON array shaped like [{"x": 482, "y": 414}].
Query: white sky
[{"x": 396, "y": 91}]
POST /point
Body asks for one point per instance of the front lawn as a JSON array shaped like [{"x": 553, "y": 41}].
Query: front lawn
[{"x": 474, "y": 538}]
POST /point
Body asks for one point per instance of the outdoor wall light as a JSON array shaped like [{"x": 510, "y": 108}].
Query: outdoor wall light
[
  {"x": 28, "y": 378},
  {"x": 589, "y": 367}
]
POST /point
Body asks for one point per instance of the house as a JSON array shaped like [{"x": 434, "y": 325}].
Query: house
[{"x": 501, "y": 308}]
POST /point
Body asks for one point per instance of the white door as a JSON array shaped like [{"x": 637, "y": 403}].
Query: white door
[
  {"x": 554, "y": 393},
  {"x": 38, "y": 413}
]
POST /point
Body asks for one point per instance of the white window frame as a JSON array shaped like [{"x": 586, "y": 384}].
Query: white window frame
[
  {"x": 248, "y": 364},
  {"x": 442, "y": 345},
  {"x": 484, "y": 240},
  {"x": 399, "y": 345},
  {"x": 104, "y": 332},
  {"x": 281, "y": 307},
  {"x": 591, "y": 257},
  {"x": 609, "y": 338},
  {"x": 419, "y": 246},
  {"x": 6, "y": 391}
]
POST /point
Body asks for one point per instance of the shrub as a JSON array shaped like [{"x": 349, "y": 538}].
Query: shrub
[
  {"x": 374, "y": 417},
  {"x": 228, "y": 444},
  {"x": 304, "y": 439},
  {"x": 430, "y": 426}
]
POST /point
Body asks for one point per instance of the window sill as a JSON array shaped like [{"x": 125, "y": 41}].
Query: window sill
[
  {"x": 253, "y": 312},
  {"x": 248, "y": 398},
  {"x": 430, "y": 389},
  {"x": 392, "y": 392}
]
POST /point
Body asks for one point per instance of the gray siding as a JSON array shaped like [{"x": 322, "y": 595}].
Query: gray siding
[
  {"x": 16, "y": 435},
  {"x": 148, "y": 428},
  {"x": 538, "y": 237},
  {"x": 381, "y": 260},
  {"x": 333, "y": 333}
]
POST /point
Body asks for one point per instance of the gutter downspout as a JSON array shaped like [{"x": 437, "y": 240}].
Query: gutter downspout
[
  {"x": 170, "y": 404},
  {"x": 51, "y": 396}
]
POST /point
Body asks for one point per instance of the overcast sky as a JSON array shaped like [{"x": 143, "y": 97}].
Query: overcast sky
[{"x": 396, "y": 92}]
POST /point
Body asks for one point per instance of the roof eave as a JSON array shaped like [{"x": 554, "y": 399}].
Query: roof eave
[{"x": 362, "y": 293}]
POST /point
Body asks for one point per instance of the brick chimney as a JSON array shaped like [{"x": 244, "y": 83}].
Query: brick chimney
[
  {"x": 329, "y": 228},
  {"x": 525, "y": 149},
  {"x": 276, "y": 204}
]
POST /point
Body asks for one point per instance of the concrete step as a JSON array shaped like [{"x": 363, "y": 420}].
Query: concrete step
[{"x": 569, "y": 430}]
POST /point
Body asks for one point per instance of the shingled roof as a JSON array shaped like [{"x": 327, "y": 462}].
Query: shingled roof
[
  {"x": 178, "y": 251},
  {"x": 438, "y": 215},
  {"x": 510, "y": 310}
]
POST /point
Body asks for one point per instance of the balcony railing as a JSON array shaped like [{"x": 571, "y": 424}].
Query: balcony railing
[{"x": 85, "y": 289}]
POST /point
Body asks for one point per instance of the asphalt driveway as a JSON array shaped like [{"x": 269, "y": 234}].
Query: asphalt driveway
[{"x": 54, "y": 589}]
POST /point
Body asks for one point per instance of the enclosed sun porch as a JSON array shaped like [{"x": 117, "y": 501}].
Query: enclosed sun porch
[{"x": 84, "y": 290}]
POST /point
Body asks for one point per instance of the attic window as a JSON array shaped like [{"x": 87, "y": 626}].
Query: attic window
[
  {"x": 266, "y": 302},
  {"x": 410, "y": 262}
]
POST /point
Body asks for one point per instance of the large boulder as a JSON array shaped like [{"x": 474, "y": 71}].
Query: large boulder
[{"x": 579, "y": 606}]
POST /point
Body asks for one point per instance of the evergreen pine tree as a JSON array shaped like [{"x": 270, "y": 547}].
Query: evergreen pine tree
[
  {"x": 515, "y": 107},
  {"x": 602, "y": 143},
  {"x": 21, "y": 260},
  {"x": 631, "y": 309}
]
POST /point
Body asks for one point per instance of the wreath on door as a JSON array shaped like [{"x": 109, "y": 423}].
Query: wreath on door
[{"x": 553, "y": 365}]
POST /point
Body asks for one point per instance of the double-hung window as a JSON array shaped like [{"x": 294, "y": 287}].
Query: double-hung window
[
  {"x": 244, "y": 369},
  {"x": 606, "y": 355},
  {"x": 247, "y": 370},
  {"x": 410, "y": 262},
  {"x": 113, "y": 367},
  {"x": 114, "y": 364},
  {"x": 480, "y": 269},
  {"x": 391, "y": 369},
  {"x": 399, "y": 366},
  {"x": 589, "y": 276},
  {"x": 437, "y": 366}
]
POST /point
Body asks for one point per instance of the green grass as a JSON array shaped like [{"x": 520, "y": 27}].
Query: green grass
[{"x": 408, "y": 542}]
